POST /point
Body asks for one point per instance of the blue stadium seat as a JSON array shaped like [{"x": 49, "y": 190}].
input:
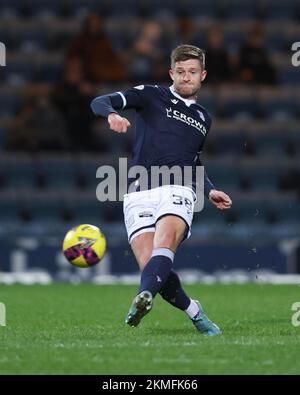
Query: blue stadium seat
[
  {"x": 234, "y": 39},
  {"x": 18, "y": 172},
  {"x": 238, "y": 10},
  {"x": 223, "y": 176},
  {"x": 43, "y": 208},
  {"x": 236, "y": 107},
  {"x": 271, "y": 144},
  {"x": 21, "y": 71},
  {"x": 261, "y": 177},
  {"x": 233, "y": 144},
  {"x": 9, "y": 105},
  {"x": 50, "y": 73},
  {"x": 34, "y": 38},
  {"x": 85, "y": 209},
  {"x": 279, "y": 10},
  {"x": 9, "y": 209},
  {"x": 209, "y": 102},
  {"x": 274, "y": 42},
  {"x": 199, "y": 10},
  {"x": 58, "y": 171},
  {"x": 113, "y": 211},
  {"x": 278, "y": 107},
  {"x": 251, "y": 212},
  {"x": 210, "y": 215},
  {"x": 289, "y": 75}
]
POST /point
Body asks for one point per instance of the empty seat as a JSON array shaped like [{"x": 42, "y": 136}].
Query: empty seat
[
  {"x": 42, "y": 208},
  {"x": 18, "y": 171},
  {"x": 251, "y": 212},
  {"x": 232, "y": 144},
  {"x": 85, "y": 209},
  {"x": 261, "y": 177},
  {"x": 57, "y": 171},
  {"x": 223, "y": 176},
  {"x": 210, "y": 215},
  {"x": 272, "y": 144},
  {"x": 279, "y": 108},
  {"x": 246, "y": 107}
]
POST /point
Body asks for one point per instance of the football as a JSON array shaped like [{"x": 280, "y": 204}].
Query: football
[{"x": 84, "y": 245}]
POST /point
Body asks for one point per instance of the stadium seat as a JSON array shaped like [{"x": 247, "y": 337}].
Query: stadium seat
[
  {"x": 9, "y": 105},
  {"x": 42, "y": 207},
  {"x": 280, "y": 108},
  {"x": 231, "y": 144},
  {"x": 251, "y": 212},
  {"x": 57, "y": 171},
  {"x": 209, "y": 215},
  {"x": 9, "y": 209},
  {"x": 18, "y": 171},
  {"x": 279, "y": 10},
  {"x": 271, "y": 144},
  {"x": 261, "y": 177}
]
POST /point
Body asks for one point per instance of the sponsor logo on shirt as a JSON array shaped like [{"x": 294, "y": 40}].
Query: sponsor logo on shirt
[{"x": 179, "y": 116}]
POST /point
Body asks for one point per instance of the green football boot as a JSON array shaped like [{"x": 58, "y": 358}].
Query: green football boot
[
  {"x": 204, "y": 325},
  {"x": 141, "y": 305}
]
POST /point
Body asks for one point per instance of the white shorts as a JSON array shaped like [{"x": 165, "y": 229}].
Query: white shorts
[{"x": 143, "y": 209}]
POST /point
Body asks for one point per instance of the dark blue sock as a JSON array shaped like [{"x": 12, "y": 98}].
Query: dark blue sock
[
  {"x": 157, "y": 270},
  {"x": 173, "y": 292}
]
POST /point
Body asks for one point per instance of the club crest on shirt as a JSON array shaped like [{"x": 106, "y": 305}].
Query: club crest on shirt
[{"x": 201, "y": 115}]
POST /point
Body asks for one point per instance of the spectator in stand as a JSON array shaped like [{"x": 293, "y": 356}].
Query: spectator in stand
[
  {"x": 101, "y": 64},
  {"x": 254, "y": 64},
  {"x": 38, "y": 126},
  {"x": 72, "y": 97},
  {"x": 186, "y": 29},
  {"x": 146, "y": 57},
  {"x": 217, "y": 57}
]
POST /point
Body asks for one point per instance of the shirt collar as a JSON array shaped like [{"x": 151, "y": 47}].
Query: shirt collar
[{"x": 187, "y": 101}]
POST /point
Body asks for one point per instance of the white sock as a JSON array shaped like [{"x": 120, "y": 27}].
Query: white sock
[{"x": 193, "y": 309}]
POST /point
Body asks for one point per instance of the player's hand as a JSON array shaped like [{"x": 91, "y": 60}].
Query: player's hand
[
  {"x": 118, "y": 123},
  {"x": 220, "y": 199}
]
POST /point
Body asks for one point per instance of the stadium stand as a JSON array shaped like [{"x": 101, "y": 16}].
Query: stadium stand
[{"x": 253, "y": 146}]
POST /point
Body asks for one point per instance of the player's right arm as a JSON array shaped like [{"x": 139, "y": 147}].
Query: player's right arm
[
  {"x": 108, "y": 105},
  {"x": 117, "y": 123}
]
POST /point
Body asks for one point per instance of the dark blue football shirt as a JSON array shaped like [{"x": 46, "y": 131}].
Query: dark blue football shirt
[{"x": 170, "y": 130}]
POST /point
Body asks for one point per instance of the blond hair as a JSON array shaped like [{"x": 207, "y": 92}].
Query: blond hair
[{"x": 185, "y": 52}]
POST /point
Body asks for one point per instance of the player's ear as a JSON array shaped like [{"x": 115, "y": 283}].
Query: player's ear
[
  {"x": 203, "y": 75},
  {"x": 171, "y": 72}
]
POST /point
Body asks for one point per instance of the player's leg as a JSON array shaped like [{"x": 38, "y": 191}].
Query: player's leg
[
  {"x": 155, "y": 257},
  {"x": 171, "y": 291},
  {"x": 142, "y": 246},
  {"x": 169, "y": 232}
]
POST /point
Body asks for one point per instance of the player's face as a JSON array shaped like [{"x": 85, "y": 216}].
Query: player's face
[{"x": 187, "y": 77}]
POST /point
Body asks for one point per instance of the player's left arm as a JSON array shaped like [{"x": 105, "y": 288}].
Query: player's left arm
[{"x": 218, "y": 198}]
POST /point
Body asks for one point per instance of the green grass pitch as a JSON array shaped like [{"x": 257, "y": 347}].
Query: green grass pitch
[{"x": 80, "y": 329}]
